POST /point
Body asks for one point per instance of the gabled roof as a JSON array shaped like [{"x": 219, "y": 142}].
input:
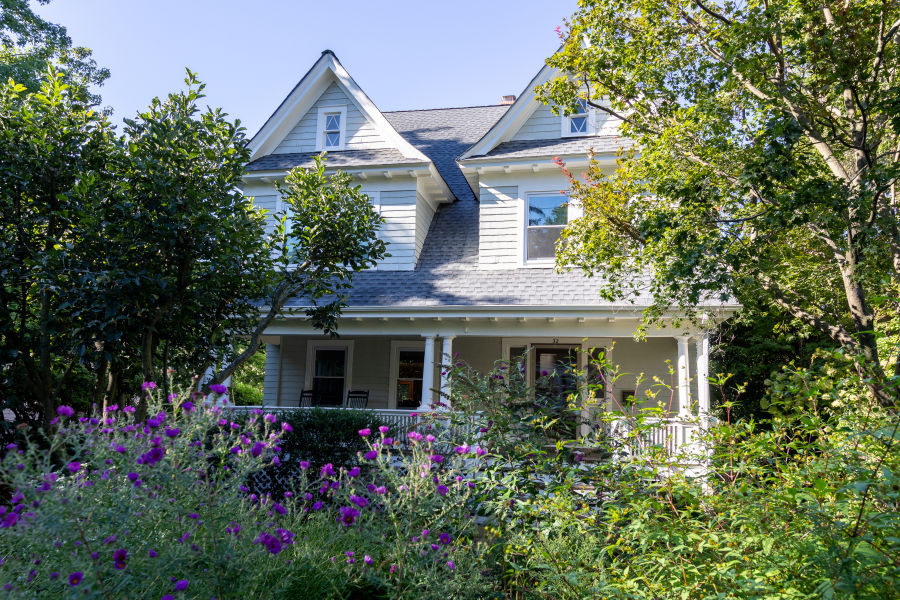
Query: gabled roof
[{"x": 325, "y": 71}]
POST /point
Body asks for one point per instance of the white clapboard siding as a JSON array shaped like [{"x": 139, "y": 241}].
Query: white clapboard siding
[
  {"x": 270, "y": 380},
  {"x": 424, "y": 215},
  {"x": 360, "y": 133},
  {"x": 541, "y": 125},
  {"x": 398, "y": 207},
  {"x": 498, "y": 227},
  {"x": 270, "y": 204},
  {"x": 293, "y": 370}
]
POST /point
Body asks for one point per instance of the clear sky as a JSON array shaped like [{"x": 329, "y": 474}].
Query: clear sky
[{"x": 405, "y": 54}]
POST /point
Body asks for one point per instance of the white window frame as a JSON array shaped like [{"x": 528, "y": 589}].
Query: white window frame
[
  {"x": 312, "y": 346},
  {"x": 396, "y": 347},
  {"x": 540, "y": 262},
  {"x": 330, "y": 110},
  {"x": 589, "y": 128},
  {"x": 374, "y": 199}
]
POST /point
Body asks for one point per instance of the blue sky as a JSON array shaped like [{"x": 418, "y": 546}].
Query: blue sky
[{"x": 404, "y": 54}]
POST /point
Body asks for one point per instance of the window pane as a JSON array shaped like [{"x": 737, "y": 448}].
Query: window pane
[
  {"x": 332, "y": 122},
  {"x": 332, "y": 139},
  {"x": 412, "y": 364},
  {"x": 542, "y": 241},
  {"x": 548, "y": 210},
  {"x": 582, "y": 106},
  {"x": 578, "y": 125},
  {"x": 328, "y": 391},
  {"x": 330, "y": 363}
]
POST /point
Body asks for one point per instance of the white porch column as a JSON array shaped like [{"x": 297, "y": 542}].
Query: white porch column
[
  {"x": 684, "y": 378},
  {"x": 428, "y": 374},
  {"x": 703, "y": 374},
  {"x": 446, "y": 361}
]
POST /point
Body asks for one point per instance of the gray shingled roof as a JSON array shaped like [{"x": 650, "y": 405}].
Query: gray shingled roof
[
  {"x": 556, "y": 147},
  {"x": 442, "y": 134},
  {"x": 342, "y": 158}
]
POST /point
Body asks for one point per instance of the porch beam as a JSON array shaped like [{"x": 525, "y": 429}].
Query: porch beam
[
  {"x": 684, "y": 378},
  {"x": 428, "y": 374}
]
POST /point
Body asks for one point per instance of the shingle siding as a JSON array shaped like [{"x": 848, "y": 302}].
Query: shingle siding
[{"x": 360, "y": 134}]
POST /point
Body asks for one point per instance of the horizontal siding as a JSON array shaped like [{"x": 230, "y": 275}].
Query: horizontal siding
[
  {"x": 293, "y": 370},
  {"x": 361, "y": 134},
  {"x": 270, "y": 379},
  {"x": 542, "y": 125},
  {"x": 498, "y": 227},
  {"x": 398, "y": 208},
  {"x": 371, "y": 363},
  {"x": 270, "y": 204}
]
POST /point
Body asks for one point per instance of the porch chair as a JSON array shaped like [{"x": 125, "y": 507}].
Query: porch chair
[
  {"x": 307, "y": 398},
  {"x": 357, "y": 398}
]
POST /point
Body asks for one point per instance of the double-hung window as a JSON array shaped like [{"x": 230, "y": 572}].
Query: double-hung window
[{"x": 547, "y": 215}]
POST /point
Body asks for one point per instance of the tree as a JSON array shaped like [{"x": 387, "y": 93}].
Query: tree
[
  {"x": 29, "y": 45},
  {"x": 766, "y": 142},
  {"x": 327, "y": 233}
]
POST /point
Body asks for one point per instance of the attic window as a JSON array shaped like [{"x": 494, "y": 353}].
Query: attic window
[
  {"x": 332, "y": 122},
  {"x": 548, "y": 214},
  {"x": 579, "y": 122}
]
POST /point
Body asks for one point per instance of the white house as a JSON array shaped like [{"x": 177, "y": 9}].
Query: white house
[{"x": 473, "y": 204}]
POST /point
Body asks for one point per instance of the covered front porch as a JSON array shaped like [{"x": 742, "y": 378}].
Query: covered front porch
[{"x": 397, "y": 362}]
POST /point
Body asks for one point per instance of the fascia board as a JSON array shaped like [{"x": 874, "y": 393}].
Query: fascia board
[
  {"x": 513, "y": 119},
  {"x": 621, "y": 311}
]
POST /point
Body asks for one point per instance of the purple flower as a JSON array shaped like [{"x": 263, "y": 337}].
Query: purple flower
[
  {"x": 480, "y": 451},
  {"x": 445, "y": 538},
  {"x": 172, "y": 432},
  {"x": 286, "y": 427},
  {"x": 384, "y": 429},
  {"x": 53, "y": 575},
  {"x": 269, "y": 418},
  {"x": 73, "y": 467},
  {"x": 304, "y": 465},
  {"x": 327, "y": 471},
  {"x": 442, "y": 490},
  {"x": 279, "y": 509},
  {"x": 233, "y": 528},
  {"x": 187, "y": 406},
  {"x": 257, "y": 449},
  {"x": 152, "y": 553},
  {"x": 414, "y": 436},
  {"x": 430, "y": 438},
  {"x": 218, "y": 388},
  {"x": 271, "y": 543},
  {"x": 359, "y": 501},
  {"x": 152, "y": 456},
  {"x": 317, "y": 506},
  {"x": 148, "y": 385},
  {"x": 371, "y": 455},
  {"x": 354, "y": 472},
  {"x": 119, "y": 558},
  {"x": 437, "y": 458},
  {"x": 119, "y": 448},
  {"x": 347, "y": 516},
  {"x": 181, "y": 585},
  {"x": 368, "y": 560},
  {"x": 381, "y": 490},
  {"x": 451, "y": 565},
  {"x": 364, "y": 432},
  {"x": 75, "y": 578},
  {"x": 110, "y": 539},
  {"x": 66, "y": 411},
  {"x": 461, "y": 449},
  {"x": 129, "y": 409}
]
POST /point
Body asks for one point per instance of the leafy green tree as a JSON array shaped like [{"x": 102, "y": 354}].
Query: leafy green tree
[
  {"x": 327, "y": 233},
  {"x": 29, "y": 45},
  {"x": 766, "y": 142},
  {"x": 55, "y": 155}
]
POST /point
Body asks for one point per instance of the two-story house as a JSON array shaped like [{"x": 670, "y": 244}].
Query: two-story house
[{"x": 473, "y": 205}]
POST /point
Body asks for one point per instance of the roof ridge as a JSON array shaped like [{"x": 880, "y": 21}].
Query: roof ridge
[{"x": 444, "y": 108}]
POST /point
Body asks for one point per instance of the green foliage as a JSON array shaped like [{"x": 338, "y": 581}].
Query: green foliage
[
  {"x": 763, "y": 160},
  {"x": 247, "y": 381},
  {"x": 29, "y": 45}
]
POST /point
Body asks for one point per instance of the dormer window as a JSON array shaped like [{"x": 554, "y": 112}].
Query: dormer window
[
  {"x": 548, "y": 214},
  {"x": 332, "y": 121},
  {"x": 579, "y": 122}
]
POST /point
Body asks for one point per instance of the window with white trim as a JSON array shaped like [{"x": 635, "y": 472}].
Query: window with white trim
[
  {"x": 332, "y": 127},
  {"x": 546, "y": 216},
  {"x": 579, "y": 122},
  {"x": 329, "y": 369}
]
